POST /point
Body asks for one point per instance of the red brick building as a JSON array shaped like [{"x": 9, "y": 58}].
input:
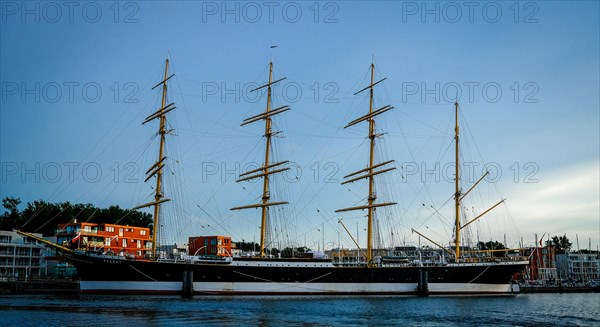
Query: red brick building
[
  {"x": 210, "y": 245},
  {"x": 106, "y": 238},
  {"x": 542, "y": 264}
]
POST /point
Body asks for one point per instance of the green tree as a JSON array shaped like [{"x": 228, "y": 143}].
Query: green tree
[
  {"x": 294, "y": 252},
  {"x": 253, "y": 246},
  {"x": 247, "y": 246},
  {"x": 560, "y": 243},
  {"x": 492, "y": 245},
  {"x": 11, "y": 217},
  {"x": 273, "y": 252},
  {"x": 42, "y": 217}
]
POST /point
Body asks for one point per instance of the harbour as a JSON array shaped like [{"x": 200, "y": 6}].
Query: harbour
[{"x": 291, "y": 163}]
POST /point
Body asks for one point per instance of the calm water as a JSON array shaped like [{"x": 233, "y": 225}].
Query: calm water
[{"x": 521, "y": 310}]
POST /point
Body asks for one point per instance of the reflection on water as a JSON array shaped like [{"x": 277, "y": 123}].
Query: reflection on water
[{"x": 521, "y": 310}]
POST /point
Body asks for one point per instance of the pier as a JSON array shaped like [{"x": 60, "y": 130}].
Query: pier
[{"x": 38, "y": 286}]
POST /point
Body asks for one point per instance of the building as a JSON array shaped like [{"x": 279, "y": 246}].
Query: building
[
  {"x": 106, "y": 238},
  {"x": 210, "y": 245},
  {"x": 542, "y": 264},
  {"x": 20, "y": 257},
  {"x": 580, "y": 267}
]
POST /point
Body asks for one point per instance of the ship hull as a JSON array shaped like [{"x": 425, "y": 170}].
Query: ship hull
[{"x": 103, "y": 275}]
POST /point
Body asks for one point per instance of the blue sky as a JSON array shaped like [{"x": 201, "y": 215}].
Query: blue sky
[{"x": 76, "y": 81}]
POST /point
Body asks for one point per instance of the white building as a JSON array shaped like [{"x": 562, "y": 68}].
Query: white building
[
  {"x": 578, "y": 266},
  {"x": 21, "y": 258}
]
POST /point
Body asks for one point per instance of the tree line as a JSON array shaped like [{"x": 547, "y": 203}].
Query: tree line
[
  {"x": 42, "y": 217},
  {"x": 288, "y": 252}
]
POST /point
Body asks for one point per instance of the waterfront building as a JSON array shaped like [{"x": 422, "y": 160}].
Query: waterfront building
[
  {"x": 581, "y": 267},
  {"x": 210, "y": 245},
  {"x": 121, "y": 240},
  {"x": 20, "y": 257},
  {"x": 542, "y": 264}
]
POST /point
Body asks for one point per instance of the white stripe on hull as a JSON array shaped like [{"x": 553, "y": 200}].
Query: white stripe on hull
[
  {"x": 463, "y": 288},
  {"x": 292, "y": 288},
  {"x": 142, "y": 287}
]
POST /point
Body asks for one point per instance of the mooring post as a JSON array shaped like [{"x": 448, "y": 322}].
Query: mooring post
[
  {"x": 423, "y": 287},
  {"x": 420, "y": 284},
  {"x": 187, "y": 285},
  {"x": 425, "y": 283}
]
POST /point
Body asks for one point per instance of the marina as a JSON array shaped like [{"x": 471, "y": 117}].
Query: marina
[{"x": 293, "y": 163}]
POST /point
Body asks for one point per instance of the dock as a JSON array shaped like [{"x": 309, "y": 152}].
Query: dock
[{"x": 39, "y": 286}]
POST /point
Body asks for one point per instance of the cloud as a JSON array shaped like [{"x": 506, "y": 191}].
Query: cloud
[{"x": 565, "y": 200}]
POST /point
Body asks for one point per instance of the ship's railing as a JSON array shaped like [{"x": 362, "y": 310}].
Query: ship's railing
[
  {"x": 428, "y": 257},
  {"x": 493, "y": 259},
  {"x": 196, "y": 259}
]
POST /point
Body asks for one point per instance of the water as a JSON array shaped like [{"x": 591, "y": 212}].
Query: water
[{"x": 520, "y": 310}]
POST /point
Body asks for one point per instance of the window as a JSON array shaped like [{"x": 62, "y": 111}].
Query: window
[
  {"x": 109, "y": 228},
  {"x": 124, "y": 243},
  {"x": 139, "y": 244},
  {"x": 143, "y": 232},
  {"x": 107, "y": 242},
  {"x": 87, "y": 228}
]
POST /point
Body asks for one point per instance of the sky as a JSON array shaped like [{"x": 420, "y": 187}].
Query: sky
[{"x": 76, "y": 81}]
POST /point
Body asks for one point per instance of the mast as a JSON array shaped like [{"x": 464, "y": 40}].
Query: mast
[
  {"x": 372, "y": 195},
  {"x": 370, "y": 172},
  {"x": 458, "y": 195},
  {"x": 157, "y": 168},
  {"x": 266, "y": 195},
  {"x": 161, "y": 131},
  {"x": 265, "y": 170},
  {"x": 456, "y": 185}
]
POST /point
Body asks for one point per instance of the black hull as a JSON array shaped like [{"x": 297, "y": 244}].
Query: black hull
[{"x": 101, "y": 274}]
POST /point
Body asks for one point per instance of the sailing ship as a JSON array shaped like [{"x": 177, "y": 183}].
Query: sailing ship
[{"x": 265, "y": 275}]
